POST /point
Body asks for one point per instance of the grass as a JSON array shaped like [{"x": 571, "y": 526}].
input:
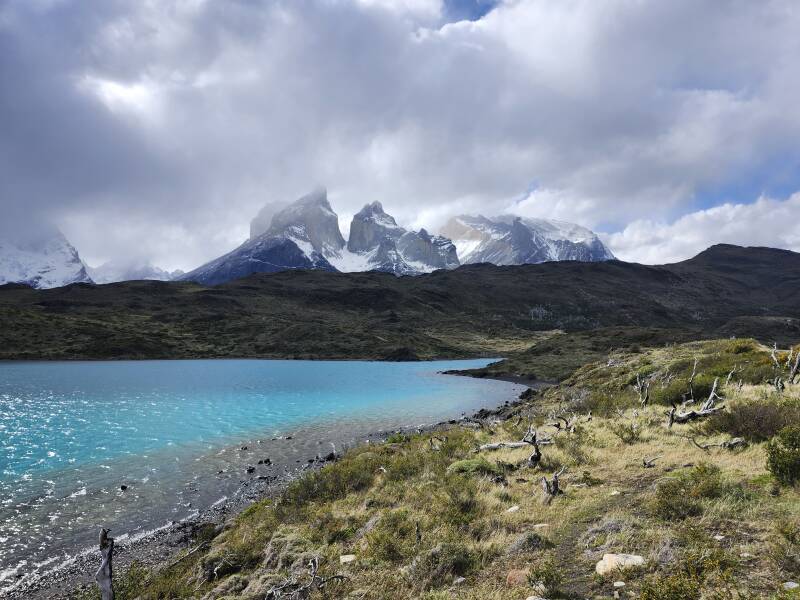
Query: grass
[{"x": 710, "y": 524}]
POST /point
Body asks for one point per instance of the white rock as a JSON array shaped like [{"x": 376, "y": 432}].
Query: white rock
[
  {"x": 791, "y": 585},
  {"x": 513, "y": 509},
  {"x": 615, "y": 493},
  {"x": 346, "y": 558},
  {"x": 719, "y": 538},
  {"x": 619, "y": 584},
  {"x": 541, "y": 526},
  {"x": 614, "y": 562},
  {"x": 459, "y": 580}
]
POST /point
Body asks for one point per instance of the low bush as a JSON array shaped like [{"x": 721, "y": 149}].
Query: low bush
[
  {"x": 394, "y": 537},
  {"x": 457, "y": 501},
  {"x": 628, "y": 432},
  {"x": 475, "y": 466},
  {"x": 755, "y": 421},
  {"x": 678, "y": 586},
  {"x": 680, "y": 497},
  {"x": 574, "y": 445},
  {"x": 441, "y": 564},
  {"x": 547, "y": 573},
  {"x": 333, "y": 481},
  {"x": 783, "y": 455}
]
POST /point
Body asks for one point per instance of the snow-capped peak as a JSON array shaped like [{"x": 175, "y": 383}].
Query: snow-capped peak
[{"x": 43, "y": 260}]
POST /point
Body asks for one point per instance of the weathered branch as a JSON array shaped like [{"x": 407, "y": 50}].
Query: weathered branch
[
  {"x": 103, "y": 575},
  {"x": 552, "y": 488},
  {"x": 531, "y": 438},
  {"x": 649, "y": 463},
  {"x": 793, "y": 372},
  {"x": 730, "y": 444}
]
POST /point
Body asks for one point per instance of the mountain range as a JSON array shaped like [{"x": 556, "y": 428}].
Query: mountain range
[{"x": 306, "y": 235}]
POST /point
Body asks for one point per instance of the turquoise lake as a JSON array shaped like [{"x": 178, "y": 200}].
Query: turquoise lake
[{"x": 180, "y": 435}]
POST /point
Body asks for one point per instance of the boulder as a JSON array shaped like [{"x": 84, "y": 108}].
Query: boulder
[
  {"x": 346, "y": 558},
  {"x": 615, "y": 562}
]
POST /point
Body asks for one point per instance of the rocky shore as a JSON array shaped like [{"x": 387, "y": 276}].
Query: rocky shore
[{"x": 158, "y": 546}]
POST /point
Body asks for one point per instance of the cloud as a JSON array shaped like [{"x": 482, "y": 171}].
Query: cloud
[
  {"x": 766, "y": 222},
  {"x": 159, "y": 129}
]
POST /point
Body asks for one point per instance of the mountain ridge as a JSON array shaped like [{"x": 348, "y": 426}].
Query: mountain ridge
[{"x": 444, "y": 314}]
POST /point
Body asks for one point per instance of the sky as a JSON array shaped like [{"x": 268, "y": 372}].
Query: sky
[{"x": 154, "y": 130}]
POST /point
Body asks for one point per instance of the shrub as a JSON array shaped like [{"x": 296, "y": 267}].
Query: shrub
[
  {"x": 784, "y": 548},
  {"x": 628, "y": 432},
  {"x": 439, "y": 565},
  {"x": 679, "y": 497},
  {"x": 572, "y": 444},
  {"x": 393, "y": 538},
  {"x": 548, "y": 574},
  {"x": 671, "y": 587},
  {"x": 475, "y": 466},
  {"x": 335, "y": 481},
  {"x": 754, "y": 421},
  {"x": 457, "y": 502},
  {"x": 783, "y": 455}
]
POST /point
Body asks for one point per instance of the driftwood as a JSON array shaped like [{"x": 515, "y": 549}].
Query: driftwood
[
  {"x": 103, "y": 575},
  {"x": 552, "y": 488}
]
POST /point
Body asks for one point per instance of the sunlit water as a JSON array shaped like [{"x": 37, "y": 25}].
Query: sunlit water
[{"x": 72, "y": 433}]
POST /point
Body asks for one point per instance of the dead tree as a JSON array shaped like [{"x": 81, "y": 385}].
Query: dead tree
[
  {"x": 531, "y": 438},
  {"x": 795, "y": 368},
  {"x": 642, "y": 387},
  {"x": 708, "y": 408},
  {"x": 103, "y": 575},
  {"x": 691, "y": 380},
  {"x": 552, "y": 488},
  {"x": 293, "y": 589}
]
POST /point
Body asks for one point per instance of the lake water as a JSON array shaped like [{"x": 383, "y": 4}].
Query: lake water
[{"x": 180, "y": 434}]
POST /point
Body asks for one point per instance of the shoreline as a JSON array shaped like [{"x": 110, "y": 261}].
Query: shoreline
[{"x": 159, "y": 544}]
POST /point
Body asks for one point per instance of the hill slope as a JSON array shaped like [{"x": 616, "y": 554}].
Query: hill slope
[{"x": 474, "y": 310}]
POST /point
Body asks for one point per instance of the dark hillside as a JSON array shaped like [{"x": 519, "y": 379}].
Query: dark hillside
[{"x": 471, "y": 311}]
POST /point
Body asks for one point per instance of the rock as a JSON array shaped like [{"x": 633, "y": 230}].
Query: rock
[
  {"x": 539, "y": 526},
  {"x": 513, "y": 509},
  {"x": 535, "y": 598},
  {"x": 251, "y": 469},
  {"x": 614, "y": 562},
  {"x": 123, "y": 487},
  {"x": 517, "y": 577},
  {"x": 619, "y": 584},
  {"x": 346, "y": 558},
  {"x": 459, "y": 580},
  {"x": 791, "y": 585},
  {"x": 615, "y": 493},
  {"x": 719, "y": 538}
]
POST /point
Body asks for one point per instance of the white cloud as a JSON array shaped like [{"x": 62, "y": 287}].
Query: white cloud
[
  {"x": 766, "y": 222},
  {"x": 612, "y": 112}
]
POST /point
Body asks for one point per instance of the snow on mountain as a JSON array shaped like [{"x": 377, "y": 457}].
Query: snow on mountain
[
  {"x": 300, "y": 236},
  {"x": 378, "y": 243},
  {"x": 511, "y": 240},
  {"x": 113, "y": 271},
  {"x": 44, "y": 260}
]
